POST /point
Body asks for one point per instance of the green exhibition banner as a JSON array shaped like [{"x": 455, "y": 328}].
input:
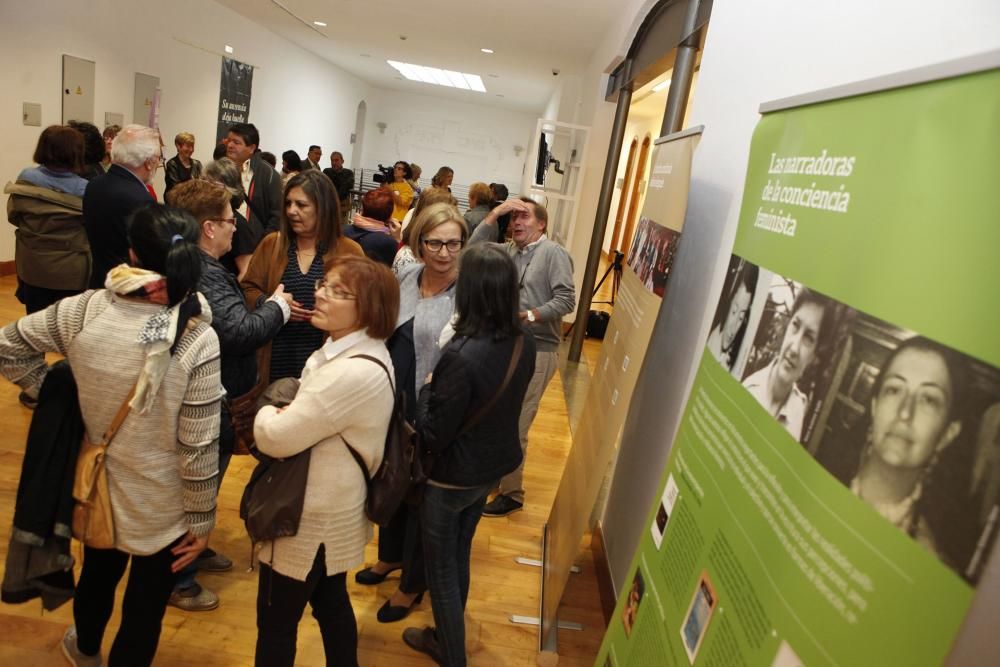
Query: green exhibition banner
[{"x": 833, "y": 492}]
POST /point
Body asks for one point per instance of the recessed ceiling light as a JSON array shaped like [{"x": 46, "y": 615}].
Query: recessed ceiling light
[
  {"x": 319, "y": 23},
  {"x": 661, "y": 86},
  {"x": 229, "y": 49},
  {"x": 494, "y": 76},
  {"x": 486, "y": 50},
  {"x": 439, "y": 77}
]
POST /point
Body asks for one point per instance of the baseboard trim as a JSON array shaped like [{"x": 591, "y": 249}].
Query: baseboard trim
[
  {"x": 7, "y": 268},
  {"x": 603, "y": 572}
]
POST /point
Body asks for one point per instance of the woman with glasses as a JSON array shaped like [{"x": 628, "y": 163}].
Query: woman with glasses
[
  {"x": 426, "y": 305},
  {"x": 240, "y": 333},
  {"x": 342, "y": 399},
  {"x": 308, "y": 238}
]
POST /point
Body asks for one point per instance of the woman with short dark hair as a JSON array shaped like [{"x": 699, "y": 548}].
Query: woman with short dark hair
[
  {"x": 291, "y": 164},
  {"x": 343, "y": 400},
  {"x": 472, "y": 431},
  {"x": 402, "y": 191},
  {"x": 147, "y": 335},
  {"x": 52, "y": 253}
]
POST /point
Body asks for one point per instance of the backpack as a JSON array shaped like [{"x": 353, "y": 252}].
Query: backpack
[{"x": 405, "y": 466}]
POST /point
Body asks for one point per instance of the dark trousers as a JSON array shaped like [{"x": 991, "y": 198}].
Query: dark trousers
[
  {"x": 149, "y": 584},
  {"x": 399, "y": 542},
  {"x": 449, "y": 519},
  {"x": 39, "y": 298},
  {"x": 280, "y": 603}
]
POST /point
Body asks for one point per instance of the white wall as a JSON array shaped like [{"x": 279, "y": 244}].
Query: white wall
[
  {"x": 756, "y": 52},
  {"x": 297, "y": 99},
  {"x": 476, "y": 140}
]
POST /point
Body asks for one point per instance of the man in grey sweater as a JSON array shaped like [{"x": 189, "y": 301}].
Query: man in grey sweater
[{"x": 545, "y": 272}]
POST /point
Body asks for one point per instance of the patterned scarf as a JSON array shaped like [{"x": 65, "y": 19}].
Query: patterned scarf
[{"x": 160, "y": 332}]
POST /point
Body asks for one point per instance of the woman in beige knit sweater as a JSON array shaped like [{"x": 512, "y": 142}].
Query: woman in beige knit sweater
[
  {"x": 341, "y": 398},
  {"x": 149, "y": 329}
]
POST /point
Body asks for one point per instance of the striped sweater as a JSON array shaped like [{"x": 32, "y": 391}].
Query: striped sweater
[{"x": 163, "y": 465}]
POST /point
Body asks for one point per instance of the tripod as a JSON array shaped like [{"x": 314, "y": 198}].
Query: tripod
[{"x": 616, "y": 281}]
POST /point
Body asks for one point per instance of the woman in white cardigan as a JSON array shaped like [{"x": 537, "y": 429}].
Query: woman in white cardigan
[{"x": 341, "y": 397}]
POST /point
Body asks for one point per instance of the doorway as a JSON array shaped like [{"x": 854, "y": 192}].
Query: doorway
[
  {"x": 623, "y": 199},
  {"x": 359, "y": 136},
  {"x": 633, "y": 198}
]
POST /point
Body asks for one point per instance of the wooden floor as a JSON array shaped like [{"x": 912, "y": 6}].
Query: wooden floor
[{"x": 226, "y": 636}]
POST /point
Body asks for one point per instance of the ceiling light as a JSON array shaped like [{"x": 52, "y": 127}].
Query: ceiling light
[
  {"x": 319, "y": 23},
  {"x": 439, "y": 77},
  {"x": 661, "y": 86},
  {"x": 229, "y": 49},
  {"x": 486, "y": 50}
]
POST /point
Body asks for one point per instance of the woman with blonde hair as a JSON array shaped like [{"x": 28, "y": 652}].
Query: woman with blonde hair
[
  {"x": 308, "y": 238},
  {"x": 480, "y": 198},
  {"x": 426, "y": 305},
  {"x": 405, "y": 255}
]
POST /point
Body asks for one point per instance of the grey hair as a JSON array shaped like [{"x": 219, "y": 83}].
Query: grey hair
[
  {"x": 226, "y": 172},
  {"x": 134, "y": 145}
]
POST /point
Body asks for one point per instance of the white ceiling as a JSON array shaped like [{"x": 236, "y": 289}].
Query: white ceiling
[{"x": 530, "y": 39}]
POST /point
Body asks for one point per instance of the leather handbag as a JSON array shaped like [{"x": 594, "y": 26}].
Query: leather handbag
[
  {"x": 272, "y": 501},
  {"x": 242, "y": 412},
  {"x": 93, "y": 522},
  {"x": 271, "y": 506}
]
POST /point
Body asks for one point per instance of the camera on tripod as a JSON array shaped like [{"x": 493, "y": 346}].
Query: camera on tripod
[{"x": 384, "y": 175}]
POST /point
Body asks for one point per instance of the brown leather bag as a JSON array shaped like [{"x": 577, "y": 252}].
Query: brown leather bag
[{"x": 93, "y": 522}]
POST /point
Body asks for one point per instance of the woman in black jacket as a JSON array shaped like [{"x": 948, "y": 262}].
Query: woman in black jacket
[
  {"x": 240, "y": 333},
  {"x": 471, "y": 428}
]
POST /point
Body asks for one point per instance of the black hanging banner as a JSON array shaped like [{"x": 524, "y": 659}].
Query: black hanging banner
[{"x": 234, "y": 95}]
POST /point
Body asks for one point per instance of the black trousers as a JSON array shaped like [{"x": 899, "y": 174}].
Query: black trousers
[
  {"x": 150, "y": 582},
  {"x": 39, "y": 298},
  {"x": 399, "y": 541},
  {"x": 280, "y": 603}
]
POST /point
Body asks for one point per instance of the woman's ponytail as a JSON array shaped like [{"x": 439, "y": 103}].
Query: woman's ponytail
[{"x": 165, "y": 240}]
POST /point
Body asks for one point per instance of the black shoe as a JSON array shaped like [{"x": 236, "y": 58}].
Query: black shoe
[
  {"x": 390, "y": 614},
  {"x": 502, "y": 506},
  {"x": 369, "y": 577},
  {"x": 27, "y": 401},
  {"x": 425, "y": 641}
]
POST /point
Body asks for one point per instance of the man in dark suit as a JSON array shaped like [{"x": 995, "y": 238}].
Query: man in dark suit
[
  {"x": 110, "y": 198},
  {"x": 260, "y": 181},
  {"x": 343, "y": 181},
  {"x": 312, "y": 158}
]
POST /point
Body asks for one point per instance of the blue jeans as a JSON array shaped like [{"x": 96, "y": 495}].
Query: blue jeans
[{"x": 449, "y": 518}]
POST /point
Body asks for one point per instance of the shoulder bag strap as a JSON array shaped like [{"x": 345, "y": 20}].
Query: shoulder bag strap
[
  {"x": 515, "y": 356},
  {"x": 119, "y": 418},
  {"x": 354, "y": 452}
]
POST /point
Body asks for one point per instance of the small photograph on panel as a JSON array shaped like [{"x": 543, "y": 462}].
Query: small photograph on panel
[
  {"x": 631, "y": 610},
  {"x": 729, "y": 326},
  {"x": 664, "y": 510},
  {"x": 795, "y": 354},
  {"x": 651, "y": 254},
  {"x": 698, "y": 617},
  {"x": 914, "y": 432}
]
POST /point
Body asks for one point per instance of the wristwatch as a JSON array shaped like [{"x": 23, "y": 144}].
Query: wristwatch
[{"x": 531, "y": 315}]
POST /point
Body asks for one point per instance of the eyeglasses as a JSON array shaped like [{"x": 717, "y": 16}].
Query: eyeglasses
[
  {"x": 231, "y": 221},
  {"x": 332, "y": 292},
  {"x": 435, "y": 245}
]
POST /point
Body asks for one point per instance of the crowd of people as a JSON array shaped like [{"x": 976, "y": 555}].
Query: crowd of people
[{"x": 173, "y": 316}]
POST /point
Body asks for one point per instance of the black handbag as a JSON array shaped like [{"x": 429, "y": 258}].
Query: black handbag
[{"x": 272, "y": 501}]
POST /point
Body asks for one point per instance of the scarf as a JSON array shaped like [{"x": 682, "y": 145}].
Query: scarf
[
  {"x": 162, "y": 331},
  {"x": 370, "y": 224}
]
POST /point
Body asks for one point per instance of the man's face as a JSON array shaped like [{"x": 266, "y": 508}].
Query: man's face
[
  {"x": 315, "y": 154},
  {"x": 798, "y": 347},
  {"x": 237, "y": 150},
  {"x": 526, "y": 228},
  {"x": 337, "y": 161}
]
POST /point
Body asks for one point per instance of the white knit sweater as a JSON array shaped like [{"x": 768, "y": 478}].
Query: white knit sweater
[
  {"x": 339, "y": 398},
  {"x": 162, "y": 466}
]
